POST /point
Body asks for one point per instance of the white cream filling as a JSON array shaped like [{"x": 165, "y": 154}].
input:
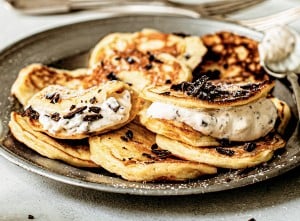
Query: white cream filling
[
  {"x": 241, "y": 123},
  {"x": 280, "y": 49},
  {"x": 77, "y": 125}
]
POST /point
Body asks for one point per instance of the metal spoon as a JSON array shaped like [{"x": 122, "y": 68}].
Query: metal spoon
[{"x": 291, "y": 77}]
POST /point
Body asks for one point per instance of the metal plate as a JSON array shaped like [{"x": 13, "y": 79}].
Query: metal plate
[{"x": 67, "y": 47}]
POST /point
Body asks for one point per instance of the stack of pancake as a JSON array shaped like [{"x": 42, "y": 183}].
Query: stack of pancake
[{"x": 149, "y": 105}]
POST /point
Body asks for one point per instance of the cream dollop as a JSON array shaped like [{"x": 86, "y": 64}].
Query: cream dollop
[
  {"x": 242, "y": 123},
  {"x": 280, "y": 49}
]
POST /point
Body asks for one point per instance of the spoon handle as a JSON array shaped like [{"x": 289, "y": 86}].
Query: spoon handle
[{"x": 293, "y": 79}]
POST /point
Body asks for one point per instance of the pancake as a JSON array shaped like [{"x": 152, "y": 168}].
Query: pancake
[
  {"x": 35, "y": 77},
  {"x": 75, "y": 153},
  {"x": 76, "y": 114},
  {"x": 231, "y": 57},
  {"x": 283, "y": 113},
  {"x": 139, "y": 70},
  {"x": 176, "y": 130},
  {"x": 131, "y": 152},
  {"x": 205, "y": 93},
  {"x": 187, "y": 49},
  {"x": 233, "y": 157}
]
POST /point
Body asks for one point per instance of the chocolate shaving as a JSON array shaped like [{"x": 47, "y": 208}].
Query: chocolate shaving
[
  {"x": 111, "y": 76},
  {"x": 204, "y": 89},
  {"x": 181, "y": 34},
  {"x": 152, "y": 58},
  {"x": 92, "y": 117},
  {"x": 115, "y": 108},
  {"x": 154, "y": 146},
  {"x": 187, "y": 56},
  {"x": 129, "y": 134},
  {"x": 148, "y": 66},
  {"x": 168, "y": 81},
  {"x": 167, "y": 93},
  {"x": 72, "y": 107},
  {"x": 124, "y": 138},
  {"x": 130, "y": 60},
  {"x": 225, "y": 151},
  {"x": 55, "y": 116},
  {"x": 95, "y": 109},
  {"x": 54, "y": 98},
  {"x": 32, "y": 114},
  {"x": 249, "y": 147},
  {"x": 93, "y": 100},
  {"x": 71, "y": 114},
  {"x": 162, "y": 154},
  {"x": 148, "y": 155}
]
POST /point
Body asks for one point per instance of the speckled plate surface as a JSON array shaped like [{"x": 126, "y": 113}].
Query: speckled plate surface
[{"x": 68, "y": 47}]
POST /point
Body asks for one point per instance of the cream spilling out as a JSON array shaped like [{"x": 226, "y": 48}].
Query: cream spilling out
[
  {"x": 280, "y": 49},
  {"x": 241, "y": 123},
  {"x": 79, "y": 112}
]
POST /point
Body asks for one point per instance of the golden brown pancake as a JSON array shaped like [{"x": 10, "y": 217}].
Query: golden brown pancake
[
  {"x": 206, "y": 93},
  {"x": 283, "y": 113},
  {"x": 35, "y": 77},
  {"x": 139, "y": 70},
  {"x": 235, "y": 157},
  {"x": 188, "y": 49},
  {"x": 70, "y": 114},
  {"x": 231, "y": 57},
  {"x": 131, "y": 152},
  {"x": 176, "y": 130},
  {"x": 75, "y": 153}
]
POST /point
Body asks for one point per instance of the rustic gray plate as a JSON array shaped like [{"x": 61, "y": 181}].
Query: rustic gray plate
[{"x": 68, "y": 47}]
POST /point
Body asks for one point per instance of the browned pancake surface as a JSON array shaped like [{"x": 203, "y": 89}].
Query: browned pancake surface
[
  {"x": 131, "y": 152},
  {"x": 233, "y": 156},
  {"x": 76, "y": 153},
  {"x": 231, "y": 57},
  {"x": 206, "y": 93}
]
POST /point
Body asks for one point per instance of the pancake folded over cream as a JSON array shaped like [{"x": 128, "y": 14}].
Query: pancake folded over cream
[
  {"x": 76, "y": 114},
  {"x": 214, "y": 112}
]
